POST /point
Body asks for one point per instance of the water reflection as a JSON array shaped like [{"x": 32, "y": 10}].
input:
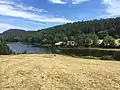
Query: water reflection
[{"x": 21, "y": 47}]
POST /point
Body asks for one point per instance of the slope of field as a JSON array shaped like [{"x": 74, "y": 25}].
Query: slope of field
[{"x": 57, "y": 72}]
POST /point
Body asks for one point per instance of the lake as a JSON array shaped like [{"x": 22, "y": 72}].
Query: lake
[{"x": 21, "y": 47}]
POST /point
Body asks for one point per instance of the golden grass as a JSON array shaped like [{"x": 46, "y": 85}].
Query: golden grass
[{"x": 57, "y": 72}]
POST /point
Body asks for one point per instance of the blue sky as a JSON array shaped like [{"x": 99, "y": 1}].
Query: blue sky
[{"x": 38, "y": 14}]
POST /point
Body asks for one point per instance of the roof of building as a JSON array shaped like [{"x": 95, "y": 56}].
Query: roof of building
[{"x": 58, "y": 43}]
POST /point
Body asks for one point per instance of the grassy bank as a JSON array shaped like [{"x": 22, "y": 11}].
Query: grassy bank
[
  {"x": 105, "y": 49},
  {"x": 57, "y": 72},
  {"x": 93, "y": 52}
]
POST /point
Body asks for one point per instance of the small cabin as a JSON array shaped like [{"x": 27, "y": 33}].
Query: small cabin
[{"x": 59, "y": 43}]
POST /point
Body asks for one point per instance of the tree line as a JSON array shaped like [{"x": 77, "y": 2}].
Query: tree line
[{"x": 84, "y": 33}]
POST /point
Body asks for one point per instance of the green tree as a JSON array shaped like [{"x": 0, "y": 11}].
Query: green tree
[
  {"x": 4, "y": 49},
  {"x": 72, "y": 38},
  {"x": 108, "y": 41},
  {"x": 65, "y": 39},
  {"x": 80, "y": 40},
  {"x": 88, "y": 42},
  {"x": 102, "y": 34},
  {"x": 94, "y": 38}
]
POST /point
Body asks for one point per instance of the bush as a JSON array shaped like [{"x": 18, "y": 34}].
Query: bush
[
  {"x": 106, "y": 58},
  {"x": 4, "y": 49},
  {"x": 108, "y": 42}
]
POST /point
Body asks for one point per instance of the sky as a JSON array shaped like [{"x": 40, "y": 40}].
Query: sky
[{"x": 39, "y": 14}]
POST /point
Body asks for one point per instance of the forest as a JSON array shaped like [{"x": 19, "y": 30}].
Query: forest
[{"x": 83, "y": 33}]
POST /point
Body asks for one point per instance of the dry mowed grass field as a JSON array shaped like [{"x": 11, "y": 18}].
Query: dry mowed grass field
[{"x": 57, "y": 72}]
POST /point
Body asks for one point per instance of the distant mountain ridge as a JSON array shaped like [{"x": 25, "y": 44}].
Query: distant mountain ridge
[
  {"x": 17, "y": 34},
  {"x": 13, "y": 31}
]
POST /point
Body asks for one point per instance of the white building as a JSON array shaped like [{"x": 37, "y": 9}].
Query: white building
[{"x": 59, "y": 43}]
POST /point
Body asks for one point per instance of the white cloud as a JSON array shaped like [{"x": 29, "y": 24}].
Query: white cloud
[
  {"x": 63, "y": 2},
  {"x": 21, "y": 6},
  {"x": 5, "y": 26},
  {"x": 30, "y": 8},
  {"x": 6, "y": 2},
  {"x": 78, "y": 1},
  {"x": 113, "y": 8},
  {"x": 57, "y": 1},
  {"x": 6, "y": 9}
]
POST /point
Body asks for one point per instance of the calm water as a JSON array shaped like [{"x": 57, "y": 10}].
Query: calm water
[{"x": 20, "y": 48}]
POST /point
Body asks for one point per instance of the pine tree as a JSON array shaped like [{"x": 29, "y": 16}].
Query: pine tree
[{"x": 4, "y": 49}]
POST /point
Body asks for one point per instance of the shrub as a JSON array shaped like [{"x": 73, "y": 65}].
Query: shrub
[
  {"x": 4, "y": 49},
  {"x": 108, "y": 41}
]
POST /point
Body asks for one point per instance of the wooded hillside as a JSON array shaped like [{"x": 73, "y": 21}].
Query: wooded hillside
[{"x": 76, "y": 31}]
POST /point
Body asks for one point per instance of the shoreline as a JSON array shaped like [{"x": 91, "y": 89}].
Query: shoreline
[{"x": 106, "y": 49}]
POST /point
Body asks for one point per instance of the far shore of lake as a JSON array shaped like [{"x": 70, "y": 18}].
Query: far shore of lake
[
  {"x": 60, "y": 47},
  {"x": 107, "y": 49}
]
